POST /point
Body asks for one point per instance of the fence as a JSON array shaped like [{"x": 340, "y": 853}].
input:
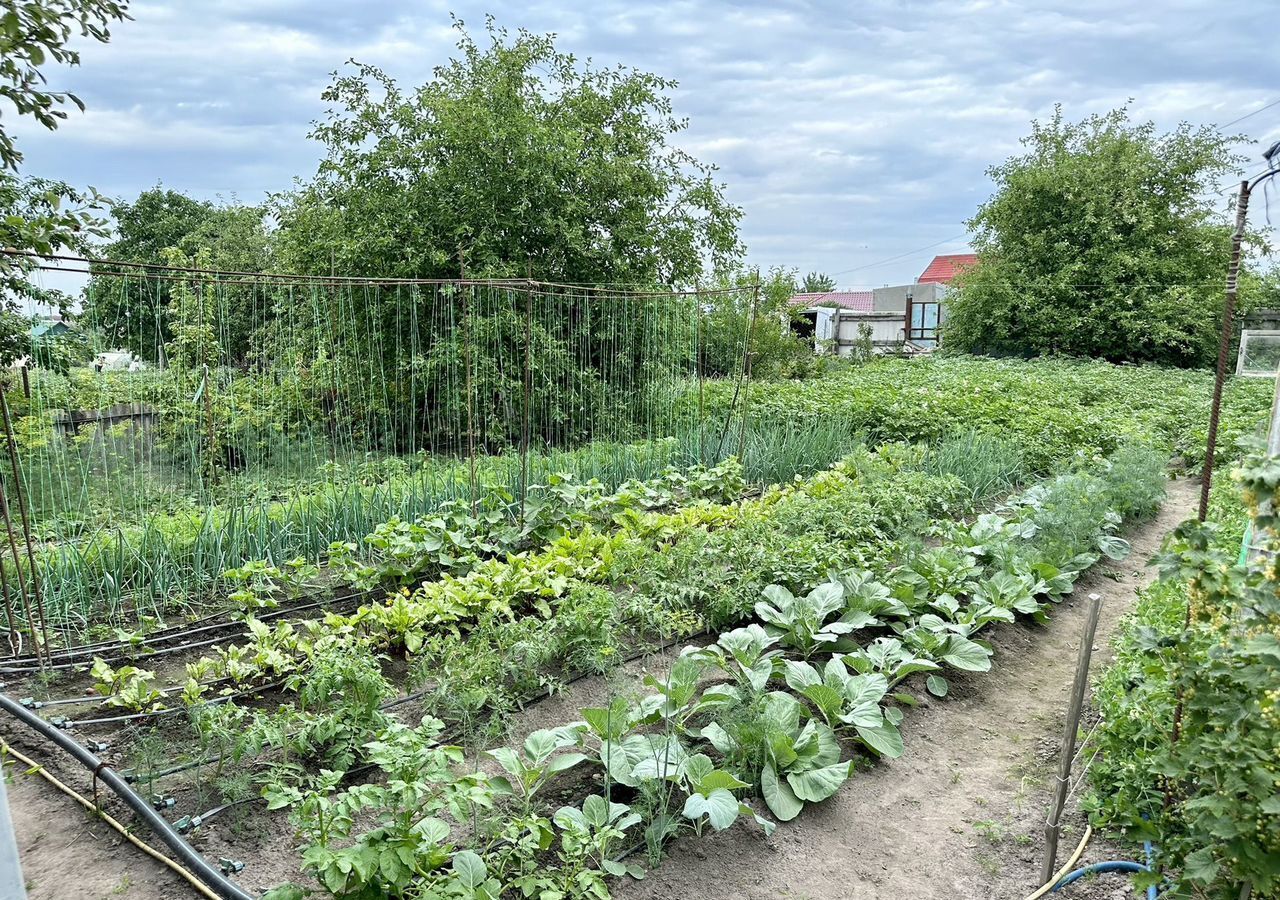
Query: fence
[{"x": 271, "y": 415}]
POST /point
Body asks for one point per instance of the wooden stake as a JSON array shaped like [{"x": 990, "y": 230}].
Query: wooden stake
[
  {"x": 1078, "y": 688},
  {"x": 528, "y": 388},
  {"x": 471, "y": 403}
]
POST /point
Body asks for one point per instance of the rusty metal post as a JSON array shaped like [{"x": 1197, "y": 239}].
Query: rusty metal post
[
  {"x": 746, "y": 366},
  {"x": 698, "y": 362},
  {"x": 528, "y": 389},
  {"x": 11, "y": 616},
  {"x": 34, "y": 573},
  {"x": 28, "y": 608},
  {"x": 470, "y": 387},
  {"x": 1224, "y": 346}
]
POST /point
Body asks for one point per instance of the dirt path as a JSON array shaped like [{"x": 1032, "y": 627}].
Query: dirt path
[
  {"x": 66, "y": 854},
  {"x": 958, "y": 817}
]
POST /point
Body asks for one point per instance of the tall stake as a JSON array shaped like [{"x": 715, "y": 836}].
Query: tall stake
[
  {"x": 698, "y": 363},
  {"x": 746, "y": 366},
  {"x": 1078, "y": 687},
  {"x": 471, "y": 400},
  {"x": 34, "y": 575},
  {"x": 528, "y": 389},
  {"x": 27, "y": 608},
  {"x": 11, "y": 620},
  {"x": 1224, "y": 346}
]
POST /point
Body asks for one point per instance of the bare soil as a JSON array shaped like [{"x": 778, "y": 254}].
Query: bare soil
[{"x": 959, "y": 816}]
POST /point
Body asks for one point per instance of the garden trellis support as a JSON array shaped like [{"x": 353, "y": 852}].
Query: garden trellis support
[
  {"x": 1228, "y": 327},
  {"x": 331, "y": 404}
]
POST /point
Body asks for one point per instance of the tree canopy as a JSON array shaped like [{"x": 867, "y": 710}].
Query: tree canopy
[
  {"x": 1100, "y": 240},
  {"x": 166, "y": 227},
  {"x": 40, "y": 215},
  {"x": 517, "y": 155},
  {"x": 818, "y": 283}
]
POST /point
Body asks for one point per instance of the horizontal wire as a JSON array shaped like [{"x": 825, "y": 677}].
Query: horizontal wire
[{"x": 165, "y": 272}]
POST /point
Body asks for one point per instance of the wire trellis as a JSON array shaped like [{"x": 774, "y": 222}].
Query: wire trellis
[{"x": 194, "y": 419}]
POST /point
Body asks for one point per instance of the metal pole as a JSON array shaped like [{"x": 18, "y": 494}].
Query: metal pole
[
  {"x": 698, "y": 363},
  {"x": 528, "y": 390},
  {"x": 11, "y": 881},
  {"x": 1224, "y": 346},
  {"x": 746, "y": 375},
  {"x": 20, "y": 493},
  {"x": 1078, "y": 687},
  {"x": 466, "y": 351}
]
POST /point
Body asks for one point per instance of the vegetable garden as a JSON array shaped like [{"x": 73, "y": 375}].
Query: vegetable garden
[{"x": 349, "y": 544}]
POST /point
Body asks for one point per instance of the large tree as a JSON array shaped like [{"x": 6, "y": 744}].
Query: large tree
[
  {"x": 518, "y": 155},
  {"x": 37, "y": 215},
  {"x": 1100, "y": 240},
  {"x": 161, "y": 226}
]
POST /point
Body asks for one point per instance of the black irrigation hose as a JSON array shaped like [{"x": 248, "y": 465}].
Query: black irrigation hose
[
  {"x": 199, "y": 626},
  {"x": 215, "y": 880},
  {"x": 169, "y": 710},
  {"x": 163, "y": 651}
]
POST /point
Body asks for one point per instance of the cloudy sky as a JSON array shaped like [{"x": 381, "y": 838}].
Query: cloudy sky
[{"x": 854, "y": 135}]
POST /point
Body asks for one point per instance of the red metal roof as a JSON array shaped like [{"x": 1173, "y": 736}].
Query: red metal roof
[
  {"x": 946, "y": 267},
  {"x": 855, "y": 300}
]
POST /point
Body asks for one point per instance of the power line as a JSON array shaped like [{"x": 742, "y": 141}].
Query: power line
[
  {"x": 1254, "y": 113},
  {"x": 890, "y": 259}
]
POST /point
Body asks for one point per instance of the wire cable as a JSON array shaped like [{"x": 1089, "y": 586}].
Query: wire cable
[{"x": 1250, "y": 115}]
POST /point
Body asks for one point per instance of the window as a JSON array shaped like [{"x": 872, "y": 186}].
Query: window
[{"x": 923, "y": 328}]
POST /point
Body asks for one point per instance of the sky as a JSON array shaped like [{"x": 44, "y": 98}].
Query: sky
[{"x": 855, "y": 136}]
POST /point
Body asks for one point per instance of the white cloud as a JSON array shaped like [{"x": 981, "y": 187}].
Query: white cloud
[{"x": 849, "y": 133}]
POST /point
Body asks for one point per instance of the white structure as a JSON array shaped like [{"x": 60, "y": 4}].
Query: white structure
[
  {"x": 902, "y": 317},
  {"x": 1259, "y": 353},
  {"x": 117, "y": 361}
]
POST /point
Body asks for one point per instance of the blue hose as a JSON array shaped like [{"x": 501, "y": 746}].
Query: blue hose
[
  {"x": 1101, "y": 869},
  {"x": 1116, "y": 866},
  {"x": 1152, "y": 893}
]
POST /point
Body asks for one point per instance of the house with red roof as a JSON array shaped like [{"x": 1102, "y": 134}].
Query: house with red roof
[
  {"x": 859, "y": 301},
  {"x": 906, "y": 316},
  {"x": 946, "y": 267}
]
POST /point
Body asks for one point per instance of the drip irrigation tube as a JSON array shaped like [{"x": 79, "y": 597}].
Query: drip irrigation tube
[
  {"x": 161, "y": 651},
  {"x": 188, "y": 857},
  {"x": 173, "y": 633}
]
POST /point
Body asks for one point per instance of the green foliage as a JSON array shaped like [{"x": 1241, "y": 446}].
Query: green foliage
[
  {"x": 128, "y": 687},
  {"x": 1047, "y": 412},
  {"x": 38, "y": 215},
  {"x": 411, "y": 837},
  {"x": 34, "y": 33},
  {"x": 817, "y": 283},
  {"x": 692, "y": 748},
  {"x": 166, "y": 227},
  {"x": 758, "y": 320},
  {"x": 1205, "y": 638},
  {"x": 578, "y": 159},
  {"x": 1100, "y": 241}
]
